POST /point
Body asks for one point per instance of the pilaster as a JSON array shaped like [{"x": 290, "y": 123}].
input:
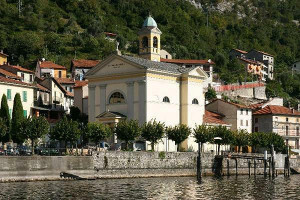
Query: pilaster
[
  {"x": 102, "y": 88},
  {"x": 142, "y": 101},
  {"x": 130, "y": 99},
  {"x": 91, "y": 106}
]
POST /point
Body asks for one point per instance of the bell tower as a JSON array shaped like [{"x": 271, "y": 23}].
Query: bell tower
[{"x": 149, "y": 40}]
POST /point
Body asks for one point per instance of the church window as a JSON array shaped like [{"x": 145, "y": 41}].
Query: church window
[
  {"x": 116, "y": 97},
  {"x": 166, "y": 100},
  {"x": 145, "y": 42},
  {"x": 155, "y": 42},
  {"x": 195, "y": 101}
]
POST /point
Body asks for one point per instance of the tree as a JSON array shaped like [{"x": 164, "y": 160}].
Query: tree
[
  {"x": 4, "y": 114},
  {"x": 65, "y": 130},
  {"x": 3, "y": 129},
  {"x": 210, "y": 94},
  {"x": 203, "y": 134},
  {"x": 266, "y": 140},
  {"x": 98, "y": 132},
  {"x": 241, "y": 138},
  {"x": 178, "y": 134},
  {"x": 127, "y": 131},
  {"x": 17, "y": 119},
  {"x": 222, "y": 136},
  {"x": 153, "y": 131},
  {"x": 34, "y": 128}
]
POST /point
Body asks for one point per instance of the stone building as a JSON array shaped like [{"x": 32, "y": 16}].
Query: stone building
[
  {"x": 278, "y": 119},
  {"x": 143, "y": 88},
  {"x": 239, "y": 116}
]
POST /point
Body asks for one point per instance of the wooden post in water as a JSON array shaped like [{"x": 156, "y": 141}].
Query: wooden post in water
[
  {"x": 288, "y": 162},
  {"x": 249, "y": 166},
  {"x": 228, "y": 174},
  {"x": 265, "y": 163},
  {"x": 199, "y": 168},
  {"x": 254, "y": 167},
  {"x": 236, "y": 167},
  {"x": 273, "y": 162},
  {"x": 270, "y": 167}
]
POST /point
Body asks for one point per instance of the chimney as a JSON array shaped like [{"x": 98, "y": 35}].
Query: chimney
[
  {"x": 1, "y": 50},
  {"x": 209, "y": 60},
  {"x": 293, "y": 110}
]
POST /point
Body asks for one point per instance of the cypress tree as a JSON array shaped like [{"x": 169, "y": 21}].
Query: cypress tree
[
  {"x": 4, "y": 114},
  {"x": 17, "y": 119}
]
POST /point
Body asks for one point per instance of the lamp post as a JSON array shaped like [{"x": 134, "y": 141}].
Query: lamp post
[{"x": 216, "y": 139}]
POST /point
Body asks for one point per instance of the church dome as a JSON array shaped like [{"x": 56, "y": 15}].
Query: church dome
[{"x": 149, "y": 22}]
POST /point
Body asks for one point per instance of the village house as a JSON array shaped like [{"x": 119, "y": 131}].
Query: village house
[
  {"x": 278, "y": 119},
  {"x": 81, "y": 96},
  {"x": 26, "y": 75},
  {"x": 256, "y": 60},
  {"x": 239, "y": 116},
  {"x": 143, "y": 88},
  {"x": 80, "y": 67},
  {"x": 10, "y": 87},
  {"x": 50, "y": 69},
  {"x": 296, "y": 67},
  {"x": 60, "y": 100}
]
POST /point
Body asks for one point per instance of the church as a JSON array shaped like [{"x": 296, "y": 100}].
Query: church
[{"x": 143, "y": 88}]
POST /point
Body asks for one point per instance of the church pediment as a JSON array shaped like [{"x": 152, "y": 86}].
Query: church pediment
[
  {"x": 114, "y": 65},
  {"x": 197, "y": 72}
]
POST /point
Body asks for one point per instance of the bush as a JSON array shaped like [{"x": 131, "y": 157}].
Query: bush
[
  {"x": 178, "y": 134},
  {"x": 153, "y": 131},
  {"x": 127, "y": 131}
]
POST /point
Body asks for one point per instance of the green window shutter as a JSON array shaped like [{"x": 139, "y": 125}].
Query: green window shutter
[
  {"x": 25, "y": 113},
  {"x": 24, "y": 96},
  {"x": 8, "y": 94},
  {"x": 10, "y": 112}
]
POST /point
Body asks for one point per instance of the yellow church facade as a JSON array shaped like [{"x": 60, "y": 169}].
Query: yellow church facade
[{"x": 144, "y": 89}]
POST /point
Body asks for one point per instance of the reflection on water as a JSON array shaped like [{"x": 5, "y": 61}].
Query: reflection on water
[{"x": 241, "y": 187}]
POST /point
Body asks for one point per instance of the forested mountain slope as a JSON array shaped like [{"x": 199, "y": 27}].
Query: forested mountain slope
[{"x": 62, "y": 29}]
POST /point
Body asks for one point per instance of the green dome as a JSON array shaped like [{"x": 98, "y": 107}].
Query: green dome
[{"x": 149, "y": 22}]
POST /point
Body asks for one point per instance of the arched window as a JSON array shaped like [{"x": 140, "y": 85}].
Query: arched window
[
  {"x": 195, "y": 101},
  {"x": 145, "y": 42},
  {"x": 166, "y": 100},
  {"x": 155, "y": 42},
  {"x": 116, "y": 97}
]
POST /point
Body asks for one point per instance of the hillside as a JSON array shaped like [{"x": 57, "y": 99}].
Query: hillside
[{"x": 62, "y": 29}]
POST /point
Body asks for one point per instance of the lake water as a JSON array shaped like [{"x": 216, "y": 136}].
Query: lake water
[{"x": 241, "y": 187}]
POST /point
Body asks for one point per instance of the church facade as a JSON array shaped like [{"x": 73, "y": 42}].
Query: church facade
[{"x": 145, "y": 89}]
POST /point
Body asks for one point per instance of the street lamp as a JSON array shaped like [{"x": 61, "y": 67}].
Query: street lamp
[{"x": 218, "y": 139}]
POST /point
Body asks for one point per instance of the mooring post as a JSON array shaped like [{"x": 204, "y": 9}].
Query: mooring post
[
  {"x": 254, "y": 167},
  {"x": 249, "y": 166},
  {"x": 228, "y": 174},
  {"x": 199, "y": 168},
  {"x": 270, "y": 167},
  {"x": 273, "y": 162},
  {"x": 265, "y": 163},
  {"x": 236, "y": 167},
  {"x": 288, "y": 162}
]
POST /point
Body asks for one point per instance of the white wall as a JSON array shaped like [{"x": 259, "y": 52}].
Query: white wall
[
  {"x": 26, "y": 77},
  {"x": 242, "y": 115},
  {"x": 50, "y": 71},
  {"x": 18, "y": 89}
]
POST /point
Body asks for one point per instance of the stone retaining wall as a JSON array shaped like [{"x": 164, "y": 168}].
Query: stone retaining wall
[{"x": 123, "y": 165}]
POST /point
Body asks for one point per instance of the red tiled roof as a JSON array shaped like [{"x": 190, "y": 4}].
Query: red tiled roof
[
  {"x": 8, "y": 80},
  {"x": 241, "y": 51},
  {"x": 69, "y": 94},
  {"x": 212, "y": 118},
  {"x": 85, "y": 63},
  {"x": 279, "y": 110},
  {"x": 40, "y": 87},
  {"x": 234, "y": 104},
  {"x": 65, "y": 80},
  {"x": 19, "y": 68},
  {"x": 180, "y": 61},
  {"x": 80, "y": 84},
  {"x": 9, "y": 74},
  {"x": 51, "y": 65},
  {"x": 110, "y": 34}
]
